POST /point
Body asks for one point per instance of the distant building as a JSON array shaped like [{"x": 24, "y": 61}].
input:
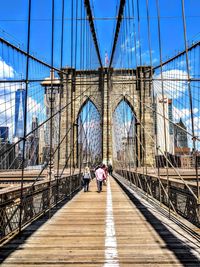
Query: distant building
[
  {"x": 128, "y": 144},
  {"x": 19, "y": 124},
  {"x": 164, "y": 125},
  {"x": 180, "y": 135},
  {"x": 182, "y": 151},
  {"x": 42, "y": 151},
  {"x": 4, "y": 133},
  {"x": 127, "y": 152},
  {"x": 170, "y": 116},
  {"x": 19, "y": 113},
  {"x": 120, "y": 155},
  {"x": 186, "y": 161},
  {"x": 32, "y": 144},
  {"x": 7, "y": 160},
  {"x": 34, "y": 126},
  {"x": 35, "y": 143}
]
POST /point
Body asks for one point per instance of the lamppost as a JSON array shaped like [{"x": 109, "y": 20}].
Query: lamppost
[{"x": 51, "y": 100}]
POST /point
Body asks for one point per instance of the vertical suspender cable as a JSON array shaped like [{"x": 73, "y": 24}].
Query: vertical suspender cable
[
  {"x": 138, "y": 77},
  {"x": 138, "y": 17},
  {"x": 153, "y": 95},
  {"x": 73, "y": 103},
  {"x": 163, "y": 104},
  {"x": 25, "y": 113},
  {"x": 71, "y": 96},
  {"x": 190, "y": 97},
  {"x": 81, "y": 98},
  {"x": 60, "y": 94},
  {"x": 51, "y": 108},
  {"x": 134, "y": 34}
]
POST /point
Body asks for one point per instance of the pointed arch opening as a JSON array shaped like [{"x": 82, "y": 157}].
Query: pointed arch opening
[
  {"x": 124, "y": 135},
  {"x": 89, "y": 139}
]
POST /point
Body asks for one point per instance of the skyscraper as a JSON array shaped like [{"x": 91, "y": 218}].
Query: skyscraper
[
  {"x": 180, "y": 135},
  {"x": 163, "y": 125},
  {"x": 32, "y": 144},
  {"x": 4, "y": 131},
  {"x": 19, "y": 112},
  {"x": 34, "y": 126}
]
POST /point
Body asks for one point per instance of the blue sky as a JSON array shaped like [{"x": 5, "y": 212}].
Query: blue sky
[{"x": 13, "y": 20}]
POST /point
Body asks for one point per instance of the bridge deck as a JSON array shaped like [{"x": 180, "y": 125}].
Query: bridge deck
[{"x": 106, "y": 229}]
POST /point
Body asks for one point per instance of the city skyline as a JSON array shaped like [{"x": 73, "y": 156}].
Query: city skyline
[{"x": 129, "y": 54}]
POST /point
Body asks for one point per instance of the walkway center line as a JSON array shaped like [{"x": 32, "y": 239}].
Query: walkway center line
[{"x": 111, "y": 255}]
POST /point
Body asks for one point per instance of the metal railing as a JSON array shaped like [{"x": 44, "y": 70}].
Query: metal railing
[
  {"x": 175, "y": 195},
  {"x": 37, "y": 200}
]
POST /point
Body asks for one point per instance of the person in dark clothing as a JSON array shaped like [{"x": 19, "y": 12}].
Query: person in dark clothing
[{"x": 110, "y": 169}]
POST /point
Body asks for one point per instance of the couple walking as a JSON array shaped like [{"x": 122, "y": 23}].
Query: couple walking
[{"x": 101, "y": 174}]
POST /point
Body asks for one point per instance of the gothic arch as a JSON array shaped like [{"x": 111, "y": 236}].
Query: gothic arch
[
  {"x": 88, "y": 134},
  {"x": 88, "y": 99},
  {"x": 127, "y": 102},
  {"x": 125, "y": 142}
]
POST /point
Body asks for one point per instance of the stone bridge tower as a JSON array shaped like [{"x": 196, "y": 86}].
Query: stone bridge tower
[{"x": 106, "y": 88}]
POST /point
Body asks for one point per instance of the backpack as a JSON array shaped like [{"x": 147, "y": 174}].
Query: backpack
[{"x": 86, "y": 175}]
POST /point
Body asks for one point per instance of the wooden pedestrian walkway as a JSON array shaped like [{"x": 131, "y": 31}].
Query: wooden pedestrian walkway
[{"x": 103, "y": 229}]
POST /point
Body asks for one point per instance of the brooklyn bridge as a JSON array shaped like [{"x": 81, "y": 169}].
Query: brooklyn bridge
[{"x": 85, "y": 83}]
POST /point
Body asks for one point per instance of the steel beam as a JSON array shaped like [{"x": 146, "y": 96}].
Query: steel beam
[
  {"x": 18, "y": 49},
  {"x": 119, "y": 19},
  {"x": 92, "y": 28},
  {"x": 178, "y": 55}
]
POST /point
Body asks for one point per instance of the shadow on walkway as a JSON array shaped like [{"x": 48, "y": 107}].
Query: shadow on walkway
[
  {"x": 180, "y": 249},
  {"x": 19, "y": 239}
]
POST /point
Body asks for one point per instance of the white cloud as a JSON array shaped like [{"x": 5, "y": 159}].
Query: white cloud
[
  {"x": 6, "y": 71},
  {"x": 188, "y": 124},
  {"x": 155, "y": 60},
  {"x": 182, "y": 64},
  {"x": 196, "y": 124},
  {"x": 33, "y": 105},
  {"x": 172, "y": 88},
  {"x": 175, "y": 87},
  {"x": 129, "y": 44},
  {"x": 183, "y": 113},
  {"x": 7, "y": 88},
  {"x": 7, "y": 112},
  {"x": 7, "y": 100},
  {"x": 136, "y": 46}
]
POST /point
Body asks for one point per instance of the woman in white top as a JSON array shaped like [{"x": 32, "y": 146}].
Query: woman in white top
[{"x": 86, "y": 178}]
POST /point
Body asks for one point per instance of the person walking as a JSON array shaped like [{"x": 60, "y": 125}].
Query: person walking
[
  {"x": 86, "y": 178},
  {"x": 100, "y": 176},
  {"x": 110, "y": 169},
  {"x": 105, "y": 168}
]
